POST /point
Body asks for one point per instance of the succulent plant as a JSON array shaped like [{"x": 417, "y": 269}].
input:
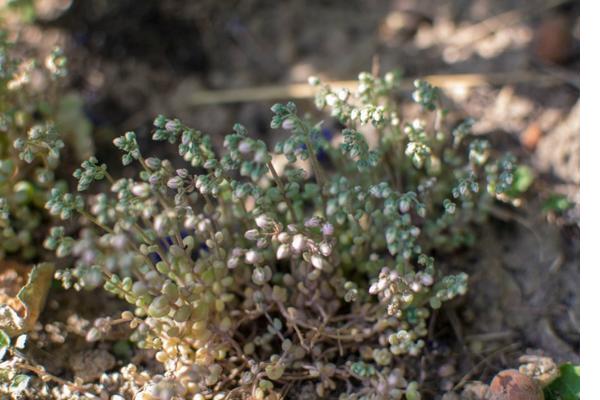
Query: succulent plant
[
  {"x": 29, "y": 147},
  {"x": 253, "y": 268}
]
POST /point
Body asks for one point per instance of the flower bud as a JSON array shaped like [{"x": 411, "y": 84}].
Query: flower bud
[
  {"x": 245, "y": 147},
  {"x": 288, "y": 124},
  {"x": 152, "y": 163},
  {"x": 283, "y": 251},
  {"x": 427, "y": 280},
  {"x": 252, "y": 234},
  {"x": 263, "y": 221},
  {"x": 325, "y": 249},
  {"x": 253, "y": 257},
  {"x": 174, "y": 182},
  {"x": 298, "y": 243},
  {"x": 233, "y": 262},
  {"x": 328, "y": 229},
  {"x": 283, "y": 237},
  {"x": 140, "y": 189},
  {"x": 317, "y": 261},
  {"x": 312, "y": 222}
]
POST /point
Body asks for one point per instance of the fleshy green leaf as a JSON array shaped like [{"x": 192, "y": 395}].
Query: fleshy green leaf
[
  {"x": 523, "y": 177},
  {"x": 557, "y": 203},
  {"x": 566, "y": 386},
  {"x": 19, "y": 383},
  {"x": 4, "y": 343}
]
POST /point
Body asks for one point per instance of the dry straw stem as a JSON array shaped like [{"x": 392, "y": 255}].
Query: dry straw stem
[{"x": 305, "y": 91}]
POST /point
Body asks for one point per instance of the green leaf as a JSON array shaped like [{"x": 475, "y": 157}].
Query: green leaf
[
  {"x": 523, "y": 177},
  {"x": 566, "y": 386},
  {"x": 557, "y": 203},
  {"x": 19, "y": 383},
  {"x": 4, "y": 343}
]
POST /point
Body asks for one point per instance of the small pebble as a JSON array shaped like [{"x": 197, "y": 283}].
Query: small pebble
[{"x": 512, "y": 385}]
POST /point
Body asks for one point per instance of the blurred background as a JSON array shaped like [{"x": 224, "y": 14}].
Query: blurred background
[{"x": 130, "y": 60}]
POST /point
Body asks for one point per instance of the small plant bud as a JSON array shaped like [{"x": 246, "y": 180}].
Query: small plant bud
[
  {"x": 119, "y": 241},
  {"x": 343, "y": 94},
  {"x": 252, "y": 234},
  {"x": 283, "y": 251},
  {"x": 93, "y": 335},
  {"x": 233, "y": 262},
  {"x": 127, "y": 315},
  {"x": 312, "y": 222},
  {"x": 172, "y": 125},
  {"x": 263, "y": 222},
  {"x": 253, "y": 257},
  {"x": 328, "y": 229},
  {"x": 427, "y": 280},
  {"x": 203, "y": 226},
  {"x": 174, "y": 182},
  {"x": 317, "y": 261},
  {"x": 283, "y": 237},
  {"x": 261, "y": 275},
  {"x": 298, "y": 243},
  {"x": 288, "y": 124},
  {"x": 331, "y": 99},
  {"x": 245, "y": 147},
  {"x": 141, "y": 189},
  {"x": 325, "y": 249},
  {"x": 404, "y": 206},
  {"x": 152, "y": 162},
  {"x": 189, "y": 242}
]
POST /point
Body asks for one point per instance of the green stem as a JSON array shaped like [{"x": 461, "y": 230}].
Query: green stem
[{"x": 282, "y": 190}]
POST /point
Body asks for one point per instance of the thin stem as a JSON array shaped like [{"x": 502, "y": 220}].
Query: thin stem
[
  {"x": 109, "y": 177},
  {"x": 46, "y": 376},
  {"x": 315, "y": 164},
  {"x": 95, "y": 221},
  {"x": 282, "y": 190},
  {"x": 319, "y": 175}
]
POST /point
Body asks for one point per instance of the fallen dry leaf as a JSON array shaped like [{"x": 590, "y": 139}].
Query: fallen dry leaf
[{"x": 19, "y": 313}]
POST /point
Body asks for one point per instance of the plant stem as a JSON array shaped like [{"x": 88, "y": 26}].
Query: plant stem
[{"x": 282, "y": 190}]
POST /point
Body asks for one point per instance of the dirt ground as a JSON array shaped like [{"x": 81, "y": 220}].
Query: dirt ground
[{"x": 131, "y": 60}]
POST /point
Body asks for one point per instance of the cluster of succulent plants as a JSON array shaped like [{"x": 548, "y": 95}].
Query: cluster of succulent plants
[
  {"x": 29, "y": 147},
  {"x": 250, "y": 271}
]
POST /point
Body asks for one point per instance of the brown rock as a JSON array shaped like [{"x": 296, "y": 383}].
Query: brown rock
[{"x": 512, "y": 385}]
